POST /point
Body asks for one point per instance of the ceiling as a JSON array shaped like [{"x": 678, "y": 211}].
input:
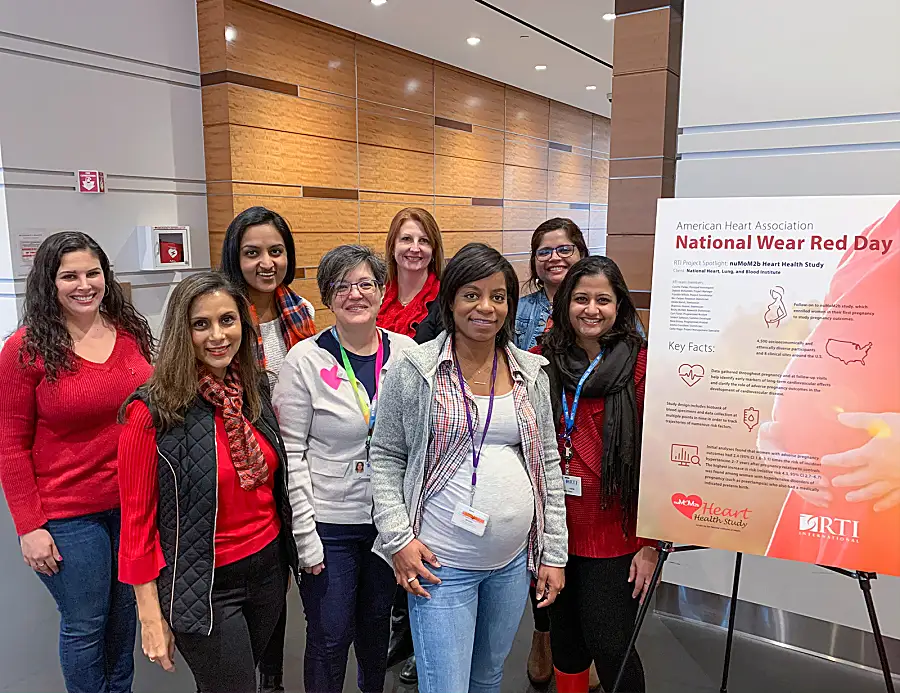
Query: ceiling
[{"x": 439, "y": 29}]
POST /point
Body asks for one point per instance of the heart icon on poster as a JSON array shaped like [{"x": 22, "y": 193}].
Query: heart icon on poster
[
  {"x": 687, "y": 505},
  {"x": 691, "y": 374}
]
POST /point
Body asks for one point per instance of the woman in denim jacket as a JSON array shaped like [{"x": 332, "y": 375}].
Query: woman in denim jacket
[{"x": 556, "y": 245}]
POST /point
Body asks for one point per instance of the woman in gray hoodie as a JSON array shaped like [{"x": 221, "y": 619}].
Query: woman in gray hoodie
[{"x": 468, "y": 492}]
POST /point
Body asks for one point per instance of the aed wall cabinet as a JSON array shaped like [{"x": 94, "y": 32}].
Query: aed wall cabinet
[{"x": 164, "y": 247}]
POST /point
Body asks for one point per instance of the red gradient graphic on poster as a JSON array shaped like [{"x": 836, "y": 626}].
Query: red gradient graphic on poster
[{"x": 790, "y": 310}]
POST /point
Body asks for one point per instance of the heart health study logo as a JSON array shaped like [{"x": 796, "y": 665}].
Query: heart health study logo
[{"x": 687, "y": 505}]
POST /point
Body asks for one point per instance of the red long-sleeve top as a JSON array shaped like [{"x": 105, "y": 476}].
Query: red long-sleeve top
[
  {"x": 246, "y": 521},
  {"x": 59, "y": 440},
  {"x": 595, "y": 532}
]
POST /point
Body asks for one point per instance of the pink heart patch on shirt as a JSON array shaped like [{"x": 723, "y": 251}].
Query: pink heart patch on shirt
[{"x": 330, "y": 376}]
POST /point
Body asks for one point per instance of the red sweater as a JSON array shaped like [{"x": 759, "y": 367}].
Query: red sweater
[
  {"x": 396, "y": 317},
  {"x": 58, "y": 441},
  {"x": 593, "y": 531},
  {"x": 246, "y": 521}
]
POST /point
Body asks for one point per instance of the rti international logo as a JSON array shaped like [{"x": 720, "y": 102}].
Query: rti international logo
[{"x": 831, "y": 528}]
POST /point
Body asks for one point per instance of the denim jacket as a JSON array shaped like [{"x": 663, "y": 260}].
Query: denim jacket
[{"x": 531, "y": 318}]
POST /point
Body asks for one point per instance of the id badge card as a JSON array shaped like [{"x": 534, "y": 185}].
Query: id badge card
[
  {"x": 470, "y": 519},
  {"x": 362, "y": 470},
  {"x": 572, "y": 485}
]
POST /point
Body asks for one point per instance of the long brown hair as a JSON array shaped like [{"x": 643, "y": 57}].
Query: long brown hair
[
  {"x": 424, "y": 219},
  {"x": 173, "y": 386},
  {"x": 47, "y": 338}
]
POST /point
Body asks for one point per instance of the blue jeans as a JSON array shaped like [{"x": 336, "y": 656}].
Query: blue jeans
[
  {"x": 97, "y": 612},
  {"x": 348, "y": 602},
  {"x": 463, "y": 634}
]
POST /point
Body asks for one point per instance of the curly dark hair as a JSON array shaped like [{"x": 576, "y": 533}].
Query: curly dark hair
[{"x": 46, "y": 336}]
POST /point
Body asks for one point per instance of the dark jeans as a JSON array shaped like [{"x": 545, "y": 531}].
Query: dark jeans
[
  {"x": 272, "y": 662},
  {"x": 97, "y": 618},
  {"x": 247, "y": 601},
  {"x": 592, "y": 620},
  {"x": 348, "y": 602},
  {"x": 541, "y": 616}
]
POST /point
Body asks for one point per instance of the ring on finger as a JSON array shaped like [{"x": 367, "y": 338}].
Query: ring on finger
[{"x": 412, "y": 579}]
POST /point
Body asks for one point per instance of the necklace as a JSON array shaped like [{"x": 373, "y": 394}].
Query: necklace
[{"x": 472, "y": 376}]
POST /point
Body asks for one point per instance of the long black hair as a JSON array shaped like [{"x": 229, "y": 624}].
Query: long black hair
[
  {"x": 474, "y": 262},
  {"x": 47, "y": 338},
  {"x": 561, "y": 335},
  {"x": 230, "y": 263}
]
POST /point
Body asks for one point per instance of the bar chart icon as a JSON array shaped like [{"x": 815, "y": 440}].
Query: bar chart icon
[{"x": 685, "y": 455}]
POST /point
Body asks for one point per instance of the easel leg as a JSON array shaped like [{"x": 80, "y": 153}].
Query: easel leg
[
  {"x": 665, "y": 548},
  {"x": 733, "y": 608},
  {"x": 865, "y": 584}
]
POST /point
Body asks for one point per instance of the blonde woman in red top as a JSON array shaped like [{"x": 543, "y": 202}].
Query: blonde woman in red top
[
  {"x": 415, "y": 259},
  {"x": 81, "y": 350},
  {"x": 597, "y": 361}
]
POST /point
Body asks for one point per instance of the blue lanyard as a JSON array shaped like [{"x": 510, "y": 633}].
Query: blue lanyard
[{"x": 570, "y": 417}]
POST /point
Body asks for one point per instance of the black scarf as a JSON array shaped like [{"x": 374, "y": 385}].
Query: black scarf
[{"x": 612, "y": 380}]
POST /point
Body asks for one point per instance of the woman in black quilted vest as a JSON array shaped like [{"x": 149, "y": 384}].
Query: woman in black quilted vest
[{"x": 206, "y": 523}]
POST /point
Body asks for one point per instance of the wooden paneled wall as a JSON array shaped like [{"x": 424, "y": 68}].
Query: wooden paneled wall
[{"x": 338, "y": 132}]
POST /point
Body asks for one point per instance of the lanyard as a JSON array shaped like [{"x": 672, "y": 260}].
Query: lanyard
[
  {"x": 476, "y": 455},
  {"x": 568, "y": 416},
  {"x": 368, "y": 415}
]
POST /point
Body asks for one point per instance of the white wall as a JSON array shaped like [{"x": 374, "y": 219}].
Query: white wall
[
  {"x": 110, "y": 85},
  {"x": 789, "y": 98}
]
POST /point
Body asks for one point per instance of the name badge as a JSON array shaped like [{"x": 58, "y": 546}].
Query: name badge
[
  {"x": 362, "y": 470},
  {"x": 470, "y": 519},
  {"x": 572, "y": 485}
]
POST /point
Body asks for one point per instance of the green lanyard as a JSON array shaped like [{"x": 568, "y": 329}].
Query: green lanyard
[{"x": 368, "y": 415}]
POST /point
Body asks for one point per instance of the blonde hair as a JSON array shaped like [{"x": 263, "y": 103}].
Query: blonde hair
[{"x": 424, "y": 219}]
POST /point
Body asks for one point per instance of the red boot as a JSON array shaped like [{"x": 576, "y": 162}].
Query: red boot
[{"x": 572, "y": 683}]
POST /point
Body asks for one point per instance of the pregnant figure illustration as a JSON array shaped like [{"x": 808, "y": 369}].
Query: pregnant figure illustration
[
  {"x": 776, "y": 311},
  {"x": 850, "y": 518}
]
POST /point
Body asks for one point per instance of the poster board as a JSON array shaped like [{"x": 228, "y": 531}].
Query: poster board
[{"x": 773, "y": 377}]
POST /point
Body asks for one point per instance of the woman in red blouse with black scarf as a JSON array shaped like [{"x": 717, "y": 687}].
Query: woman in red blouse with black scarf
[{"x": 597, "y": 361}]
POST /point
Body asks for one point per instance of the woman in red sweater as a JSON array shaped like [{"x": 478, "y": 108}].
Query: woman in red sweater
[
  {"x": 415, "y": 259},
  {"x": 81, "y": 350},
  {"x": 597, "y": 361},
  {"x": 206, "y": 520}
]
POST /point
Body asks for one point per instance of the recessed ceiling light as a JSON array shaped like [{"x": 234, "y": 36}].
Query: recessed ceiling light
[
  {"x": 540, "y": 67},
  {"x": 524, "y": 36},
  {"x": 378, "y": 3},
  {"x": 608, "y": 17},
  {"x": 591, "y": 87},
  {"x": 230, "y": 33},
  {"x": 473, "y": 40}
]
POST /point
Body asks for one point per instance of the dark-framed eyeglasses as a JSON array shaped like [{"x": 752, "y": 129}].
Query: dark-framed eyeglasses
[
  {"x": 561, "y": 250},
  {"x": 366, "y": 287}
]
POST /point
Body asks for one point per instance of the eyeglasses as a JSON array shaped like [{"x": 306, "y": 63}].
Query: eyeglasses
[
  {"x": 561, "y": 250},
  {"x": 365, "y": 286}
]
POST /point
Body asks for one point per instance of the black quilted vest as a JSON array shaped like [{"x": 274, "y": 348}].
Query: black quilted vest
[{"x": 188, "y": 506}]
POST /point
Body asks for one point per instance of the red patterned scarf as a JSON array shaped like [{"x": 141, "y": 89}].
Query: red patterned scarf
[
  {"x": 396, "y": 317},
  {"x": 246, "y": 455},
  {"x": 295, "y": 318}
]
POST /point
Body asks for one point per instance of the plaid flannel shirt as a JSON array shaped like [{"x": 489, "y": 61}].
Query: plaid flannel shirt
[{"x": 450, "y": 445}]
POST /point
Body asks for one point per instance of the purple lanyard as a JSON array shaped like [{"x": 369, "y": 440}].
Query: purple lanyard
[{"x": 476, "y": 455}]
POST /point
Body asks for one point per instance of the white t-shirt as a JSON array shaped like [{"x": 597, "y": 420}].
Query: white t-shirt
[
  {"x": 274, "y": 348},
  {"x": 504, "y": 492}
]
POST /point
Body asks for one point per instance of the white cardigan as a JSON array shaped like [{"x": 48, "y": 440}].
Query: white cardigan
[{"x": 324, "y": 434}]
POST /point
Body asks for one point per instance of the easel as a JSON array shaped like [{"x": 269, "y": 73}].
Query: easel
[{"x": 667, "y": 547}]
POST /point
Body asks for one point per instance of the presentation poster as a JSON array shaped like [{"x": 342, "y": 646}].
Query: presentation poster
[{"x": 772, "y": 411}]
